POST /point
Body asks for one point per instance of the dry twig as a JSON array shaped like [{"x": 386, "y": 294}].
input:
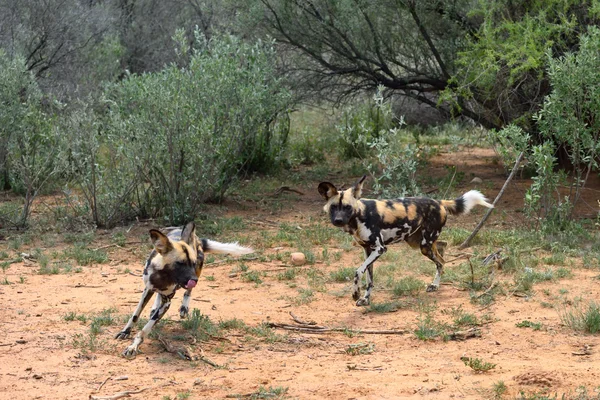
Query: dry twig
[
  {"x": 324, "y": 329},
  {"x": 119, "y": 395},
  {"x": 301, "y": 322},
  {"x": 467, "y": 242},
  {"x": 102, "y": 384},
  {"x": 286, "y": 189}
]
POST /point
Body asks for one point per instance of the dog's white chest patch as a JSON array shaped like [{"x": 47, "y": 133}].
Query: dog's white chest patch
[
  {"x": 388, "y": 234},
  {"x": 363, "y": 233}
]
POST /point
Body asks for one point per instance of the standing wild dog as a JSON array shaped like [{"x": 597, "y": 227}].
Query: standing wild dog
[
  {"x": 176, "y": 262},
  {"x": 377, "y": 223}
]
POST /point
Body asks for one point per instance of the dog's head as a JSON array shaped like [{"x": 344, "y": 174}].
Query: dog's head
[
  {"x": 342, "y": 205},
  {"x": 176, "y": 261}
]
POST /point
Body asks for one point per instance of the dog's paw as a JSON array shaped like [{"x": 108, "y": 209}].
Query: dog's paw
[
  {"x": 356, "y": 295},
  {"x": 432, "y": 288},
  {"x": 124, "y": 334},
  {"x": 183, "y": 312},
  {"x": 130, "y": 352},
  {"x": 363, "y": 302}
]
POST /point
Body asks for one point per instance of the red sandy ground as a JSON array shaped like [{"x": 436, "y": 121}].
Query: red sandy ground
[{"x": 38, "y": 359}]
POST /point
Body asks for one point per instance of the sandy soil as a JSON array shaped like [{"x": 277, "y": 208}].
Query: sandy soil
[{"x": 38, "y": 358}]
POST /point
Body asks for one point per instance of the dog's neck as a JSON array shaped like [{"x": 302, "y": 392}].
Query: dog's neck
[{"x": 352, "y": 226}]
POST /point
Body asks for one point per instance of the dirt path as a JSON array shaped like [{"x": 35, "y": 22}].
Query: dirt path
[{"x": 45, "y": 356}]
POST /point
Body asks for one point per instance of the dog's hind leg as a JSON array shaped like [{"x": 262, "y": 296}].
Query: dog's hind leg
[
  {"x": 430, "y": 251},
  {"x": 165, "y": 303},
  {"x": 146, "y": 295},
  {"x": 185, "y": 304}
]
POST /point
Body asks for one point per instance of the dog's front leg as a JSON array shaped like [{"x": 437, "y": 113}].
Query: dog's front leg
[
  {"x": 373, "y": 254},
  {"x": 132, "y": 350},
  {"x": 146, "y": 296},
  {"x": 185, "y": 304}
]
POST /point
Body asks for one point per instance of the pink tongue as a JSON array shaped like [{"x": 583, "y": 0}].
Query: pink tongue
[{"x": 191, "y": 284}]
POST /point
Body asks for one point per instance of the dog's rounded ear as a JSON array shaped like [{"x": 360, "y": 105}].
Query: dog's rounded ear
[
  {"x": 161, "y": 242},
  {"x": 327, "y": 190},
  {"x": 357, "y": 188},
  {"x": 188, "y": 234}
]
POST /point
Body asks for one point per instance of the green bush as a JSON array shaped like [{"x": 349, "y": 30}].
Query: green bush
[
  {"x": 28, "y": 141},
  {"x": 162, "y": 144}
]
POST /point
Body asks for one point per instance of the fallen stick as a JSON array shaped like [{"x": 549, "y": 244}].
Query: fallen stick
[
  {"x": 301, "y": 322},
  {"x": 102, "y": 384},
  {"x": 492, "y": 286},
  {"x": 286, "y": 189},
  {"x": 182, "y": 352},
  {"x": 119, "y": 395},
  {"x": 324, "y": 329},
  {"x": 117, "y": 245},
  {"x": 467, "y": 242}
]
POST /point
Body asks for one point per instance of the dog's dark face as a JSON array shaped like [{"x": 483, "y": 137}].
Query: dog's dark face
[
  {"x": 342, "y": 205},
  {"x": 174, "y": 263}
]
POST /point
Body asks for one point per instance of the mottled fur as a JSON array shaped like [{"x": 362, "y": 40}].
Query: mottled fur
[
  {"x": 374, "y": 224},
  {"x": 176, "y": 260}
]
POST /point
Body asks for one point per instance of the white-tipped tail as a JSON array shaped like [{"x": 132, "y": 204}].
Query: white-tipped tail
[
  {"x": 212, "y": 246},
  {"x": 473, "y": 198}
]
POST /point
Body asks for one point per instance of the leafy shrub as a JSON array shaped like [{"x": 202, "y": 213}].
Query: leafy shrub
[
  {"x": 161, "y": 144},
  {"x": 362, "y": 124},
  {"x": 28, "y": 141},
  {"x": 375, "y": 132},
  {"x": 570, "y": 117}
]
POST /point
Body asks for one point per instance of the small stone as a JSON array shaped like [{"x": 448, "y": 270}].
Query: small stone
[
  {"x": 298, "y": 258},
  {"x": 476, "y": 180}
]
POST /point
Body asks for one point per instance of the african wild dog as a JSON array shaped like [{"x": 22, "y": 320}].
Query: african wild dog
[
  {"x": 175, "y": 262},
  {"x": 377, "y": 223}
]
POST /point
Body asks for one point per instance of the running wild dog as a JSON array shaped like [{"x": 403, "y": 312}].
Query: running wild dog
[
  {"x": 176, "y": 262},
  {"x": 376, "y": 223}
]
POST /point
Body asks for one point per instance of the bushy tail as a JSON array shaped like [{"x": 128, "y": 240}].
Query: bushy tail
[
  {"x": 466, "y": 202},
  {"x": 211, "y": 246}
]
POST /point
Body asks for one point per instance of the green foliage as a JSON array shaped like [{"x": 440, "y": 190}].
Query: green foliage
[
  {"x": 343, "y": 274},
  {"x": 427, "y": 327},
  {"x": 395, "y": 167},
  {"x": 28, "y": 140},
  {"x": 582, "y": 319},
  {"x": 408, "y": 286},
  {"x": 200, "y": 326},
  {"x": 504, "y": 60},
  {"x": 361, "y": 125},
  {"x": 499, "y": 388},
  {"x": 510, "y": 141},
  {"x": 85, "y": 256},
  {"x": 536, "y": 326},
  {"x": 570, "y": 118},
  {"x": 192, "y": 131},
  {"x": 386, "y": 307},
  {"x": 360, "y": 349},
  {"x": 278, "y": 392},
  {"x": 477, "y": 364}
]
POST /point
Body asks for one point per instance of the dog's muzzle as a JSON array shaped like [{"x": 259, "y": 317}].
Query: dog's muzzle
[{"x": 338, "y": 222}]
